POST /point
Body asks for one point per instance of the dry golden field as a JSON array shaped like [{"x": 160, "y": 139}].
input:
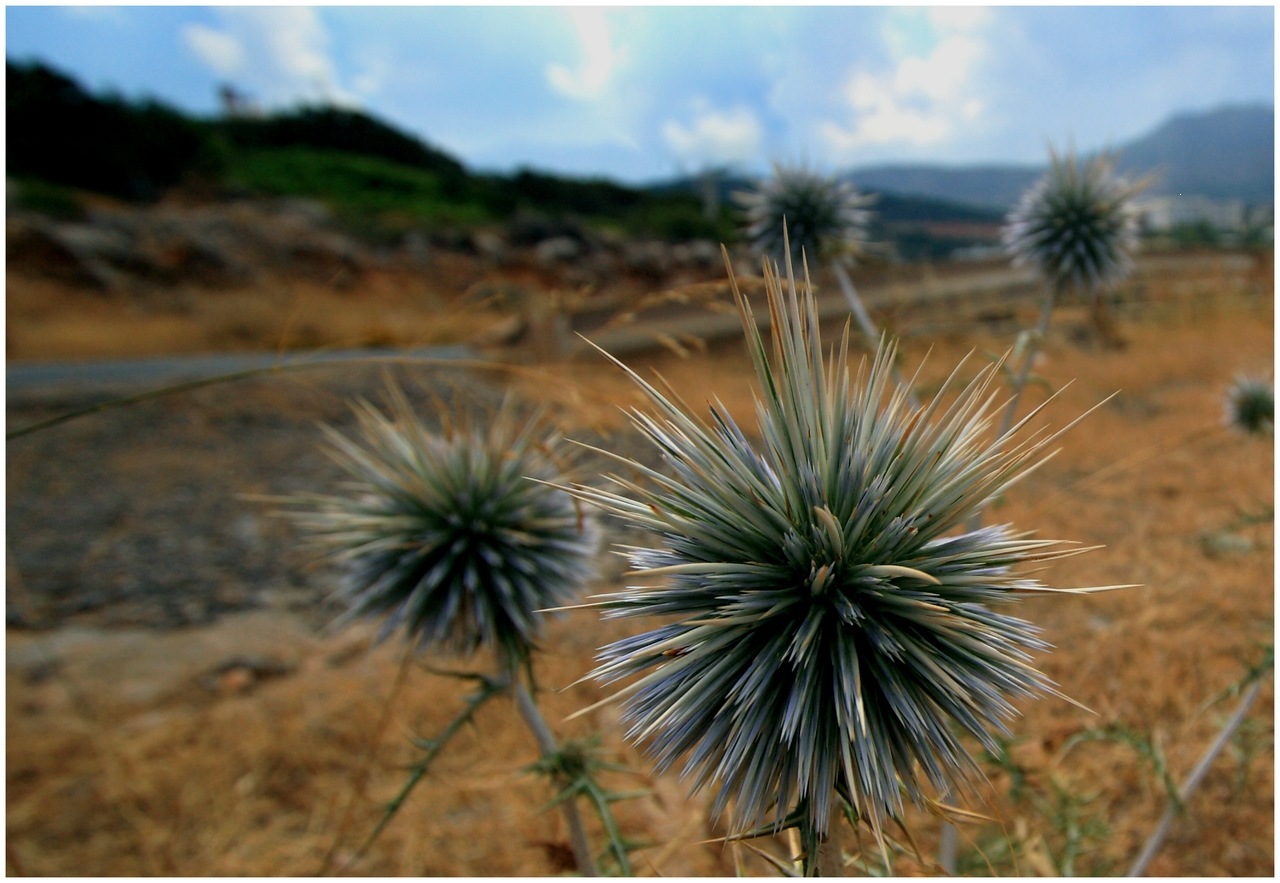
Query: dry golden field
[{"x": 255, "y": 742}]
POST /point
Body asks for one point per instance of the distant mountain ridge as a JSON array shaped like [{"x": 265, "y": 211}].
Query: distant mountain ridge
[
  {"x": 992, "y": 187},
  {"x": 1225, "y": 153},
  {"x": 1228, "y": 153}
]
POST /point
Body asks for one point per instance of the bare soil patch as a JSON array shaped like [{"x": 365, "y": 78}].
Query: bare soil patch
[{"x": 175, "y": 705}]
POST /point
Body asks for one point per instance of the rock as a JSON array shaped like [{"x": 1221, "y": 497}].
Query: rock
[
  {"x": 550, "y": 253},
  {"x": 304, "y": 212},
  {"x": 648, "y": 258},
  {"x": 239, "y": 674},
  {"x": 210, "y": 246},
  {"x": 500, "y": 294},
  {"x": 505, "y": 332},
  {"x": 490, "y": 247},
  {"x": 698, "y": 254},
  {"x": 80, "y": 254},
  {"x": 529, "y": 228},
  {"x": 415, "y": 249},
  {"x": 325, "y": 257},
  {"x": 130, "y": 667}
]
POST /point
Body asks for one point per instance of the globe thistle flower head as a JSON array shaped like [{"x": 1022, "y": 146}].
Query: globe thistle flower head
[
  {"x": 1251, "y": 405},
  {"x": 830, "y": 627},
  {"x": 454, "y": 537},
  {"x": 1077, "y": 225},
  {"x": 824, "y": 216}
]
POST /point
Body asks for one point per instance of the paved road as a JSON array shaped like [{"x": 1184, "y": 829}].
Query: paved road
[{"x": 36, "y": 380}]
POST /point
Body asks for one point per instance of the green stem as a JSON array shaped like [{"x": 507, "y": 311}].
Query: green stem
[
  {"x": 1033, "y": 347},
  {"x": 824, "y": 853},
  {"x": 616, "y": 844},
  {"x": 856, "y": 306},
  {"x": 869, "y": 331},
  {"x": 299, "y": 364},
  {"x": 150, "y": 394},
  {"x": 302, "y": 363},
  {"x": 830, "y": 858},
  {"x": 488, "y": 689},
  {"x": 547, "y": 745},
  {"x": 362, "y": 776},
  {"x": 948, "y": 845},
  {"x": 1156, "y": 839}
]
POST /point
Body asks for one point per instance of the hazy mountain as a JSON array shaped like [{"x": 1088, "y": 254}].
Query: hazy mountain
[
  {"x": 1227, "y": 153},
  {"x": 989, "y": 186},
  {"x": 891, "y": 204}
]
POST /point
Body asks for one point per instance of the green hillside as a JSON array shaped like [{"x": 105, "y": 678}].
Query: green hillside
[{"x": 377, "y": 180}]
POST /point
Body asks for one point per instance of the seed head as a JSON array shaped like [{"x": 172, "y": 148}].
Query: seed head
[
  {"x": 453, "y": 536},
  {"x": 825, "y": 216},
  {"x": 828, "y": 622},
  {"x": 1076, "y": 225},
  {"x": 1251, "y": 405}
]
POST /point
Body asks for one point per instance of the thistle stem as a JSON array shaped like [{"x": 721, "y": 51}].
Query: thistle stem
[
  {"x": 362, "y": 772},
  {"x": 829, "y": 861},
  {"x": 1029, "y": 356},
  {"x": 869, "y": 331},
  {"x": 856, "y": 306},
  {"x": 827, "y": 858},
  {"x": 487, "y": 690},
  {"x": 948, "y": 845},
  {"x": 547, "y": 745},
  {"x": 1228, "y": 730}
]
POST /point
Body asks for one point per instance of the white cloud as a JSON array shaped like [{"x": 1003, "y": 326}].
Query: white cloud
[
  {"x": 715, "y": 136},
  {"x": 95, "y": 13},
  {"x": 279, "y": 52},
  {"x": 371, "y": 78},
  {"x": 217, "y": 49},
  {"x": 926, "y": 96},
  {"x": 295, "y": 41},
  {"x": 591, "y": 79},
  {"x": 959, "y": 18}
]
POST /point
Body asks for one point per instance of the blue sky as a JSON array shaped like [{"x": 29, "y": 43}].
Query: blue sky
[{"x": 640, "y": 94}]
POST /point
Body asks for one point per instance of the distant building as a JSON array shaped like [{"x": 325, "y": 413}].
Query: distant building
[
  {"x": 1261, "y": 216},
  {"x": 1161, "y": 213}
]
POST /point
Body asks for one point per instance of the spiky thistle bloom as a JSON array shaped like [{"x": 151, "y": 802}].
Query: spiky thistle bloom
[
  {"x": 831, "y": 627},
  {"x": 1077, "y": 224},
  {"x": 825, "y": 216},
  {"x": 1251, "y": 405},
  {"x": 456, "y": 536}
]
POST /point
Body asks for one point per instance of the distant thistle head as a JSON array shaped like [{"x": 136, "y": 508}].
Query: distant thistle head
[
  {"x": 452, "y": 536},
  {"x": 825, "y": 216},
  {"x": 829, "y": 625},
  {"x": 1076, "y": 225},
  {"x": 1251, "y": 405}
]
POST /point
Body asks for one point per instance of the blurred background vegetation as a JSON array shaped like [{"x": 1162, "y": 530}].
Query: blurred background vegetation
[{"x": 378, "y": 181}]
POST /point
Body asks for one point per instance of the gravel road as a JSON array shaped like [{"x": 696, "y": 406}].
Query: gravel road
[{"x": 145, "y": 514}]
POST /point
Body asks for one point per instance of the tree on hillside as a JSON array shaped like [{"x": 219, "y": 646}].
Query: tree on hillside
[
  {"x": 351, "y": 131},
  {"x": 60, "y": 133}
]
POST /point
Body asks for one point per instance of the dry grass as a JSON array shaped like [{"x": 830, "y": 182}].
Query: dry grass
[
  {"x": 253, "y": 776},
  {"x": 47, "y": 320}
]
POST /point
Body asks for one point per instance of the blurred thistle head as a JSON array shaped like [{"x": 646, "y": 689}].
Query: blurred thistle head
[
  {"x": 1251, "y": 405},
  {"x": 829, "y": 625},
  {"x": 453, "y": 536},
  {"x": 825, "y": 216},
  {"x": 1076, "y": 225}
]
